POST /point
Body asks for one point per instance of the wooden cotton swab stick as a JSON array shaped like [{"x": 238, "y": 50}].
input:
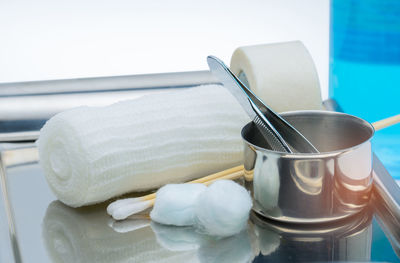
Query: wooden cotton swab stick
[
  {"x": 379, "y": 125},
  {"x": 121, "y": 210},
  {"x": 232, "y": 176},
  {"x": 119, "y": 203}
]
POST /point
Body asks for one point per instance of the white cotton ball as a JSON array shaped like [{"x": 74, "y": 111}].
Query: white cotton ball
[
  {"x": 223, "y": 208},
  {"x": 174, "y": 204}
]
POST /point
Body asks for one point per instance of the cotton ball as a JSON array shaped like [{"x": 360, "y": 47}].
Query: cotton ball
[
  {"x": 174, "y": 204},
  {"x": 223, "y": 208}
]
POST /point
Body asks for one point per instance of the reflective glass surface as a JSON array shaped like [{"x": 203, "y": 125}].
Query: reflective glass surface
[{"x": 35, "y": 227}]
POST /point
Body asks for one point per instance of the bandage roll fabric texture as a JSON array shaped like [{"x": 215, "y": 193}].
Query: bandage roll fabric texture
[{"x": 90, "y": 154}]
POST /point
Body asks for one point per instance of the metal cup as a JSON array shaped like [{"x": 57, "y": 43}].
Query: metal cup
[{"x": 311, "y": 188}]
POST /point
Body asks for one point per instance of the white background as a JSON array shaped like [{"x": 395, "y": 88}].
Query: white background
[{"x": 49, "y": 39}]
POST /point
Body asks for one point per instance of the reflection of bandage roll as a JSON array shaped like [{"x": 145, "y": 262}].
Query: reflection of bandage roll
[
  {"x": 281, "y": 74},
  {"x": 83, "y": 235}
]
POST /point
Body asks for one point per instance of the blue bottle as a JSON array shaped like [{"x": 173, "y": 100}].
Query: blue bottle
[{"x": 365, "y": 67}]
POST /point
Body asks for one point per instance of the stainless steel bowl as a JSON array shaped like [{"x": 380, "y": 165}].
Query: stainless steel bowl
[{"x": 312, "y": 188}]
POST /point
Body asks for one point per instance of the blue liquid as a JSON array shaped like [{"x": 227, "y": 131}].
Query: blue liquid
[{"x": 365, "y": 68}]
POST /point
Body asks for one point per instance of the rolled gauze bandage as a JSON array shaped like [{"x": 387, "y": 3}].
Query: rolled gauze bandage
[
  {"x": 90, "y": 154},
  {"x": 281, "y": 74}
]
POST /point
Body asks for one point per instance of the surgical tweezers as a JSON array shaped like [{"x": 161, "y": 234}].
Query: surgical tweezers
[{"x": 279, "y": 134}]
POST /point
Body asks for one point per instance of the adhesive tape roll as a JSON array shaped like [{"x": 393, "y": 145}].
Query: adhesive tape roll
[{"x": 281, "y": 74}]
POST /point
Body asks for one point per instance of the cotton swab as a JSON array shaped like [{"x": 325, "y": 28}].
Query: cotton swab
[
  {"x": 379, "y": 125},
  {"x": 121, "y": 209},
  {"x": 111, "y": 207},
  {"x": 126, "y": 210},
  {"x": 233, "y": 176},
  {"x": 128, "y": 201}
]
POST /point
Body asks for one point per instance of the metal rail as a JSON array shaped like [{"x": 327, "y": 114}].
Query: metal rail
[
  {"x": 112, "y": 83},
  {"x": 26, "y": 106}
]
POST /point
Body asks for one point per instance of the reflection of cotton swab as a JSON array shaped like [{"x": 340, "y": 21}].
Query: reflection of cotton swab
[
  {"x": 121, "y": 209},
  {"x": 128, "y": 225}
]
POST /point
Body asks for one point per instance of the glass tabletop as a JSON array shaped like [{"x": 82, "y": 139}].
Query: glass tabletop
[{"x": 35, "y": 227}]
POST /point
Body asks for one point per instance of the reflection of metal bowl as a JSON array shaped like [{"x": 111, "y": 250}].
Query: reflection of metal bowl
[
  {"x": 312, "y": 188},
  {"x": 348, "y": 239}
]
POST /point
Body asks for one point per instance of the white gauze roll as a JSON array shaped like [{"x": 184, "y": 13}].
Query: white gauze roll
[
  {"x": 281, "y": 74},
  {"x": 90, "y": 154}
]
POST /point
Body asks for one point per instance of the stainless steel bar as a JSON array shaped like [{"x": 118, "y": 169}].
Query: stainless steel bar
[
  {"x": 9, "y": 213},
  {"x": 386, "y": 204},
  {"x": 112, "y": 83},
  {"x": 386, "y": 188},
  {"x": 25, "y": 106}
]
